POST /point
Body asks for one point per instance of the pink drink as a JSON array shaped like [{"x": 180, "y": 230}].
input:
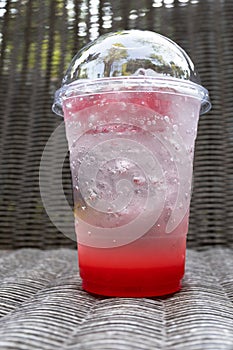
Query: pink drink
[
  {"x": 131, "y": 154},
  {"x": 131, "y": 103}
]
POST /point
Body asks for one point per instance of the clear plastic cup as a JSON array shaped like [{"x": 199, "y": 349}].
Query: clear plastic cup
[{"x": 131, "y": 102}]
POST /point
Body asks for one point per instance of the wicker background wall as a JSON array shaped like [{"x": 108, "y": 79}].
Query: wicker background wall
[{"x": 38, "y": 39}]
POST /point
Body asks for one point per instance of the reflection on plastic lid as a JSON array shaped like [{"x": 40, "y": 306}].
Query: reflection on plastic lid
[
  {"x": 124, "y": 53},
  {"x": 130, "y": 53}
]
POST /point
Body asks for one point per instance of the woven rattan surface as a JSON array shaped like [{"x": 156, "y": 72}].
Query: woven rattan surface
[
  {"x": 38, "y": 39},
  {"x": 42, "y": 306}
]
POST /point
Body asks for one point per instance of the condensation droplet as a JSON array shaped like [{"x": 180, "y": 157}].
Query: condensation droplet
[
  {"x": 175, "y": 127},
  {"x": 69, "y": 105},
  {"x": 139, "y": 180},
  {"x": 112, "y": 171},
  {"x": 167, "y": 119},
  {"x": 89, "y": 233},
  {"x": 153, "y": 180},
  {"x": 93, "y": 195},
  {"x": 114, "y": 240}
]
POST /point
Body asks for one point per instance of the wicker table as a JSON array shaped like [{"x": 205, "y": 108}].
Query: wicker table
[{"x": 42, "y": 305}]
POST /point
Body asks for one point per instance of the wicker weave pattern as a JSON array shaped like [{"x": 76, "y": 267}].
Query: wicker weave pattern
[
  {"x": 42, "y": 304},
  {"x": 39, "y": 38},
  {"x": 43, "y": 307}
]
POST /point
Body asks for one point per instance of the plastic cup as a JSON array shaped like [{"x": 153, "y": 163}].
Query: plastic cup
[{"x": 131, "y": 102}]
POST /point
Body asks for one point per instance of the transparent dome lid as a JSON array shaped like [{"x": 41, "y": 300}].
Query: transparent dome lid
[{"x": 132, "y": 53}]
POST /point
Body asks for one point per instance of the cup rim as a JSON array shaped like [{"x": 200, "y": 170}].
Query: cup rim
[{"x": 142, "y": 83}]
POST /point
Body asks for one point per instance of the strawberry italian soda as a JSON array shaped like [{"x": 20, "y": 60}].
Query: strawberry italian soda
[{"x": 131, "y": 101}]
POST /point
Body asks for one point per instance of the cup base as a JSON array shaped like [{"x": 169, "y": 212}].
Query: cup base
[{"x": 132, "y": 291}]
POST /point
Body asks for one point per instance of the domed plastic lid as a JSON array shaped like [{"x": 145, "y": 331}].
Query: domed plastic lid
[{"x": 132, "y": 53}]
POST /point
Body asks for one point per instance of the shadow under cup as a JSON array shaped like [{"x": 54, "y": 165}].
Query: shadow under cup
[{"x": 131, "y": 144}]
